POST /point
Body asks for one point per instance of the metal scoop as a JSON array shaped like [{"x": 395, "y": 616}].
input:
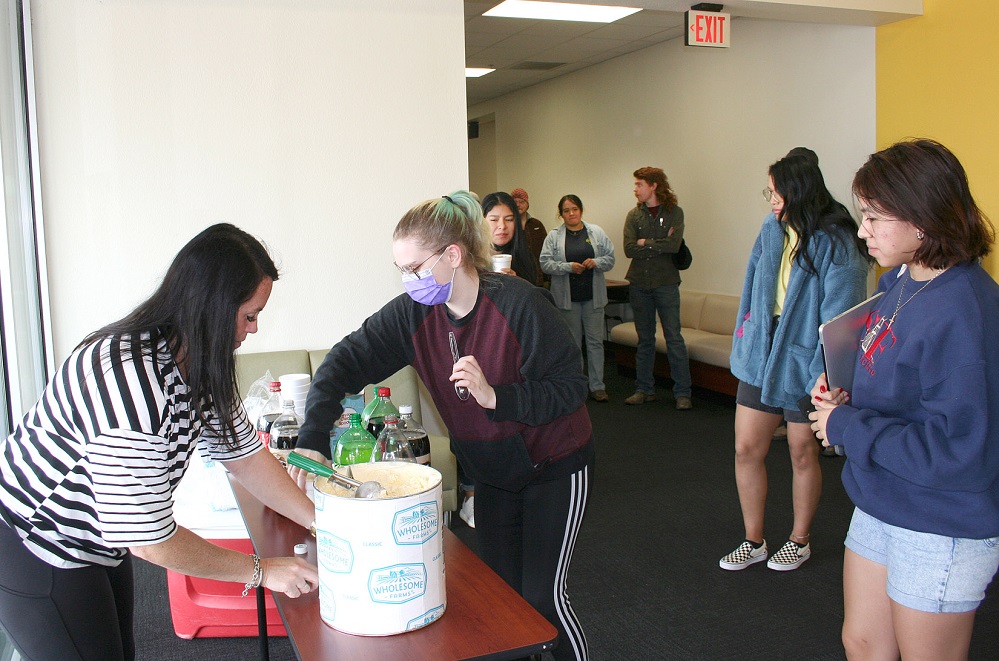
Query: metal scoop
[{"x": 369, "y": 489}]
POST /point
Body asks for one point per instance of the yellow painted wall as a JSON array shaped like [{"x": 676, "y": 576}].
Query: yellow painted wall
[{"x": 938, "y": 77}]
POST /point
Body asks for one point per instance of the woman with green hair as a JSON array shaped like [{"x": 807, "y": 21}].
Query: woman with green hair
[{"x": 507, "y": 379}]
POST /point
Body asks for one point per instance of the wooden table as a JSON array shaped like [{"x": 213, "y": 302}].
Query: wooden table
[{"x": 485, "y": 617}]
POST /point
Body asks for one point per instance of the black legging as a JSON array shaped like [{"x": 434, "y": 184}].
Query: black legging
[
  {"x": 49, "y": 613},
  {"x": 528, "y": 537}
]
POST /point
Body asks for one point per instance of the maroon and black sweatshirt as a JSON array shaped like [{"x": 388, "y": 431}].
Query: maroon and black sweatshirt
[{"x": 540, "y": 428}]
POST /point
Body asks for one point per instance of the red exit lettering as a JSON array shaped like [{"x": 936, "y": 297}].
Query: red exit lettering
[{"x": 709, "y": 29}]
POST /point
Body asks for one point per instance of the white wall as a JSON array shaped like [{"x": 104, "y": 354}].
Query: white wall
[
  {"x": 713, "y": 119},
  {"x": 311, "y": 124}
]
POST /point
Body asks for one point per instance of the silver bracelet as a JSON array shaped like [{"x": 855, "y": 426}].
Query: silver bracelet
[{"x": 258, "y": 575}]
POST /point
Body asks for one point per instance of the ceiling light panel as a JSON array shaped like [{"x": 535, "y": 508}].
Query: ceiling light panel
[{"x": 559, "y": 11}]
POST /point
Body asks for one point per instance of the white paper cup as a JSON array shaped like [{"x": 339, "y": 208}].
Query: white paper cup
[
  {"x": 501, "y": 262},
  {"x": 290, "y": 381}
]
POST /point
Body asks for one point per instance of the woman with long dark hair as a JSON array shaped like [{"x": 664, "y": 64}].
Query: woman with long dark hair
[
  {"x": 87, "y": 477},
  {"x": 501, "y": 367},
  {"x": 921, "y": 424},
  {"x": 507, "y": 234},
  {"x": 805, "y": 268}
]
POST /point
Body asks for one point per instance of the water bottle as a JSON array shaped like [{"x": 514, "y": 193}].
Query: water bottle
[
  {"x": 284, "y": 430},
  {"x": 374, "y": 414},
  {"x": 355, "y": 445},
  {"x": 392, "y": 444},
  {"x": 417, "y": 436},
  {"x": 269, "y": 413}
]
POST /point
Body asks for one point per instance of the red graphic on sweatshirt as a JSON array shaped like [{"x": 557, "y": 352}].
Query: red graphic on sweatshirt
[{"x": 884, "y": 340}]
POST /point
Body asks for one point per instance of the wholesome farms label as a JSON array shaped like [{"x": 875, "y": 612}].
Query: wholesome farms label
[
  {"x": 335, "y": 554},
  {"x": 417, "y": 524},
  {"x": 397, "y": 584},
  {"x": 430, "y": 616},
  {"x": 327, "y": 604}
]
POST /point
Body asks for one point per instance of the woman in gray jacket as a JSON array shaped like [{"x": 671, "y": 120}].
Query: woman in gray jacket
[{"x": 576, "y": 255}]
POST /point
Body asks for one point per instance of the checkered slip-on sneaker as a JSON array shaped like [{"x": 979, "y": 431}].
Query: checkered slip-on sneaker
[
  {"x": 745, "y": 555},
  {"x": 790, "y": 556}
]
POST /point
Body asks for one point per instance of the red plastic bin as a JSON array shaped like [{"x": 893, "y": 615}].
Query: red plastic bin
[{"x": 205, "y": 608}]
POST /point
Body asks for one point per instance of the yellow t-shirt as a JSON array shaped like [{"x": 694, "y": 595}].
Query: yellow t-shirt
[{"x": 786, "y": 259}]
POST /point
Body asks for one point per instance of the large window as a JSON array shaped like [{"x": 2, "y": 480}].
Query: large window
[{"x": 25, "y": 344}]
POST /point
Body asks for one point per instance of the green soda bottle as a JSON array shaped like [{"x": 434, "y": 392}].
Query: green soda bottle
[
  {"x": 355, "y": 445},
  {"x": 374, "y": 414}
]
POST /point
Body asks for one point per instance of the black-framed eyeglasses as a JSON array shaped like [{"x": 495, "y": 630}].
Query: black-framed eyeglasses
[
  {"x": 461, "y": 391},
  {"x": 411, "y": 270}
]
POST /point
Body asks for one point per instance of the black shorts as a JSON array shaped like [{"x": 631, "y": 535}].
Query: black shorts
[{"x": 749, "y": 396}]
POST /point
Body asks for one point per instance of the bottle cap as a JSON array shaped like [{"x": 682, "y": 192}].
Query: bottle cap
[
  {"x": 384, "y": 392},
  {"x": 301, "y": 549},
  {"x": 405, "y": 409}
]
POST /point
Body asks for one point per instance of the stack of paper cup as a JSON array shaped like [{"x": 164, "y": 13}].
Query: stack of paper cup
[
  {"x": 296, "y": 387},
  {"x": 501, "y": 262}
]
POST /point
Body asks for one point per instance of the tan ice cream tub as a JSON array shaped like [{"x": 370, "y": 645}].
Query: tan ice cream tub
[{"x": 381, "y": 561}]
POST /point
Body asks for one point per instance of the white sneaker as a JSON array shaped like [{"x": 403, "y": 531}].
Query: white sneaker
[
  {"x": 790, "y": 556},
  {"x": 467, "y": 511},
  {"x": 744, "y": 555}
]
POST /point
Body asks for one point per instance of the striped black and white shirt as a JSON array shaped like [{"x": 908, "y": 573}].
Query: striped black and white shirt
[{"x": 92, "y": 467}]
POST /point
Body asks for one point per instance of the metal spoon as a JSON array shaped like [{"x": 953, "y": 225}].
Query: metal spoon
[{"x": 369, "y": 489}]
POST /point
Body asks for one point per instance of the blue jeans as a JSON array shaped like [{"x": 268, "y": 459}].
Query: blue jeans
[
  {"x": 586, "y": 320},
  {"x": 926, "y": 572},
  {"x": 646, "y": 303}
]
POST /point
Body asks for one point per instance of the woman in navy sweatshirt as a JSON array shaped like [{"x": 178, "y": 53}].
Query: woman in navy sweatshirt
[
  {"x": 921, "y": 426},
  {"x": 507, "y": 380}
]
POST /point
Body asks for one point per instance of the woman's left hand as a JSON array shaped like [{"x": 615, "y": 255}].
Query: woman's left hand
[
  {"x": 825, "y": 401},
  {"x": 508, "y": 271},
  {"x": 589, "y": 263},
  {"x": 819, "y": 418},
  {"x": 468, "y": 374}
]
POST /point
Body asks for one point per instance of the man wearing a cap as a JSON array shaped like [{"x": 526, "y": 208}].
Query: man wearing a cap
[{"x": 534, "y": 230}]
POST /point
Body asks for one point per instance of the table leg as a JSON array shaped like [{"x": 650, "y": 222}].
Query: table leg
[{"x": 265, "y": 653}]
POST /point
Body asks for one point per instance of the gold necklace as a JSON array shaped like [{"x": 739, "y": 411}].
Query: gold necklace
[{"x": 881, "y": 327}]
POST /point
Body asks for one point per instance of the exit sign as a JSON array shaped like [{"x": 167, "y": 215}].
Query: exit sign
[{"x": 708, "y": 28}]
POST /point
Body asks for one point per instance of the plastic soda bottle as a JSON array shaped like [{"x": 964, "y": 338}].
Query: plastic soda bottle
[
  {"x": 284, "y": 430},
  {"x": 356, "y": 445},
  {"x": 417, "y": 436},
  {"x": 392, "y": 444},
  {"x": 268, "y": 414},
  {"x": 374, "y": 416}
]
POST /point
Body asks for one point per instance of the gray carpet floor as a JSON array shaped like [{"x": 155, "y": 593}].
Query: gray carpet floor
[{"x": 645, "y": 580}]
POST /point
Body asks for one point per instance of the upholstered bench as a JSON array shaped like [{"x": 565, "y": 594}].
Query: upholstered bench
[{"x": 707, "y": 322}]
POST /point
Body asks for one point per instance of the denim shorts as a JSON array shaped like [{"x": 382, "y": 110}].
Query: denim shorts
[
  {"x": 926, "y": 572},
  {"x": 749, "y": 396}
]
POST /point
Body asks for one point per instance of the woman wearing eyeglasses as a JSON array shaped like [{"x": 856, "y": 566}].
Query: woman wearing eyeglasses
[
  {"x": 805, "y": 268},
  {"x": 921, "y": 425},
  {"x": 506, "y": 377}
]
